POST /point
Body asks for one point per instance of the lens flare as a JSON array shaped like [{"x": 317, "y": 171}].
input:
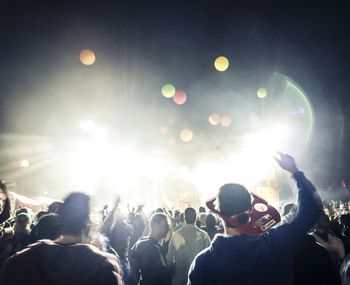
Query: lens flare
[
  {"x": 214, "y": 119},
  {"x": 261, "y": 93},
  {"x": 221, "y": 63},
  {"x": 180, "y": 97},
  {"x": 225, "y": 121},
  {"x": 164, "y": 130},
  {"x": 168, "y": 90},
  {"x": 186, "y": 135},
  {"x": 87, "y": 57}
]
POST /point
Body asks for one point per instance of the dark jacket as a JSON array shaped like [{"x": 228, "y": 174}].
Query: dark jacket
[
  {"x": 267, "y": 259},
  {"x": 49, "y": 263}
]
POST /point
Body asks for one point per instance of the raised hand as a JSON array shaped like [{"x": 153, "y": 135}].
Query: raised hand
[{"x": 286, "y": 162}]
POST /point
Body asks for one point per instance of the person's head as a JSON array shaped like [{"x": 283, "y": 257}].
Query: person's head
[
  {"x": 210, "y": 221},
  {"x": 159, "y": 225},
  {"x": 233, "y": 199},
  {"x": 190, "y": 215},
  {"x": 48, "y": 227},
  {"x": 40, "y": 214},
  {"x": 201, "y": 209},
  {"x": 54, "y": 206},
  {"x": 22, "y": 224},
  {"x": 75, "y": 214},
  {"x": 22, "y": 210}
]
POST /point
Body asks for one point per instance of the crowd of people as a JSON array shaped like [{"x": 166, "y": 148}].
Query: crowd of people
[{"x": 231, "y": 241}]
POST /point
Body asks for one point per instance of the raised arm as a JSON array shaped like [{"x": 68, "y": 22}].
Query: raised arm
[{"x": 309, "y": 207}]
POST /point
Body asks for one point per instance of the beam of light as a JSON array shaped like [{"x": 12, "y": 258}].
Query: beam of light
[
  {"x": 180, "y": 97},
  {"x": 221, "y": 63},
  {"x": 87, "y": 57},
  {"x": 168, "y": 90}
]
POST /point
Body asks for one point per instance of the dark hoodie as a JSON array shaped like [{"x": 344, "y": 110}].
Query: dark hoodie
[
  {"x": 267, "y": 259},
  {"x": 49, "y": 263}
]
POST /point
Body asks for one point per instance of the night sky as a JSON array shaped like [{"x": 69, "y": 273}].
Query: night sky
[{"x": 141, "y": 45}]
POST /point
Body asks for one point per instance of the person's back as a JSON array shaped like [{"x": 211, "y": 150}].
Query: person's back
[
  {"x": 184, "y": 245},
  {"x": 66, "y": 260},
  {"x": 47, "y": 262},
  {"x": 240, "y": 258}
]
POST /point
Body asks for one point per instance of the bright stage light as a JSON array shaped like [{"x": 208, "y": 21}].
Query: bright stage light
[
  {"x": 221, "y": 63},
  {"x": 87, "y": 126},
  {"x": 168, "y": 90},
  {"x": 87, "y": 57},
  {"x": 24, "y": 163}
]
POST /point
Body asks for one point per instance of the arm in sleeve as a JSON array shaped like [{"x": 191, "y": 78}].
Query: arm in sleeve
[{"x": 309, "y": 207}]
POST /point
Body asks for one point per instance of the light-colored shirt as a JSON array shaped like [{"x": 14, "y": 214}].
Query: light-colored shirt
[{"x": 184, "y": 245}]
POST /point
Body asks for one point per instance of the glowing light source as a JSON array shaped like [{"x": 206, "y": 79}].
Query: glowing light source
[
  {"x": 87, "y": 126},
  {"x": 24, "y": 163},
  {"x": 168, "y": 90},
  {"x": 225, "y": 121},
  {"x": 163, "y": 130},
  {"x": 214, "y": 119},
  {"x": 186, "y": 135},
  {"x": 221, "y": 63},
  {"x": 180, "y": 97},
  {"x": 261, "y": 93},
  {"x": 87, "y": 57}
]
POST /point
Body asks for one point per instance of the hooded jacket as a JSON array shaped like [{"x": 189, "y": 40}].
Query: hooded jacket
[
  {"x": 266, "y": 259},
  {"x": 49, "y": 263}
]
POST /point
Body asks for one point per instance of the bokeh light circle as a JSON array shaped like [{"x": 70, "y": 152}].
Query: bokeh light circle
[
  {"x": 186, "y": 135},
  {"x": 180, "y": 97},
  {"x": 168, "y": 90},
  {"x": 225, "y": 121},
  {"x": 261, "y": 93},
  {"x": 214, "y": 119},
  {"x": 87, "y": 57},
  {"x": 221, "y": 63},
  {"x": 164, "y": 130}
]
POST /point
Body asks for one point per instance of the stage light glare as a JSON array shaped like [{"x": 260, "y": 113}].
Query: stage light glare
[
  {"x": 180, "y": 97},
  {"x": 24, "y": 163},
  {"x": 221, "y": 63},
  {"x": 225, "y": 121},
  {"x": 261, "y": 93},
  {"x": 214, "y": 119},
  {"x": 168, "y": 90},
  {"x": 186, "y": 135},
  {"x": 87, "y": 126},
  {"x": 87, "y": 57}
]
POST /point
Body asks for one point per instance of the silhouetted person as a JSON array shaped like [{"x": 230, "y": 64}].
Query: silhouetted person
[
  {"x": 184, "y": 245},
  {"x": 66, "y": 260},
  {"x": 238, "y": 257}
]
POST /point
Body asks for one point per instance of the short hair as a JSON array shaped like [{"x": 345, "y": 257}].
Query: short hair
[
  {"x": 210, "y": 221},
  {"x": 48, "y": 227},
  {"x": 157, "y": 218},
  {"x": 54, "y": 206},
  {"x": 201, "y": 209},
  {"x": 74, "y": 213},
  {"x": 233, "y": 199},
  {"x": 190, "y": 215}
]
